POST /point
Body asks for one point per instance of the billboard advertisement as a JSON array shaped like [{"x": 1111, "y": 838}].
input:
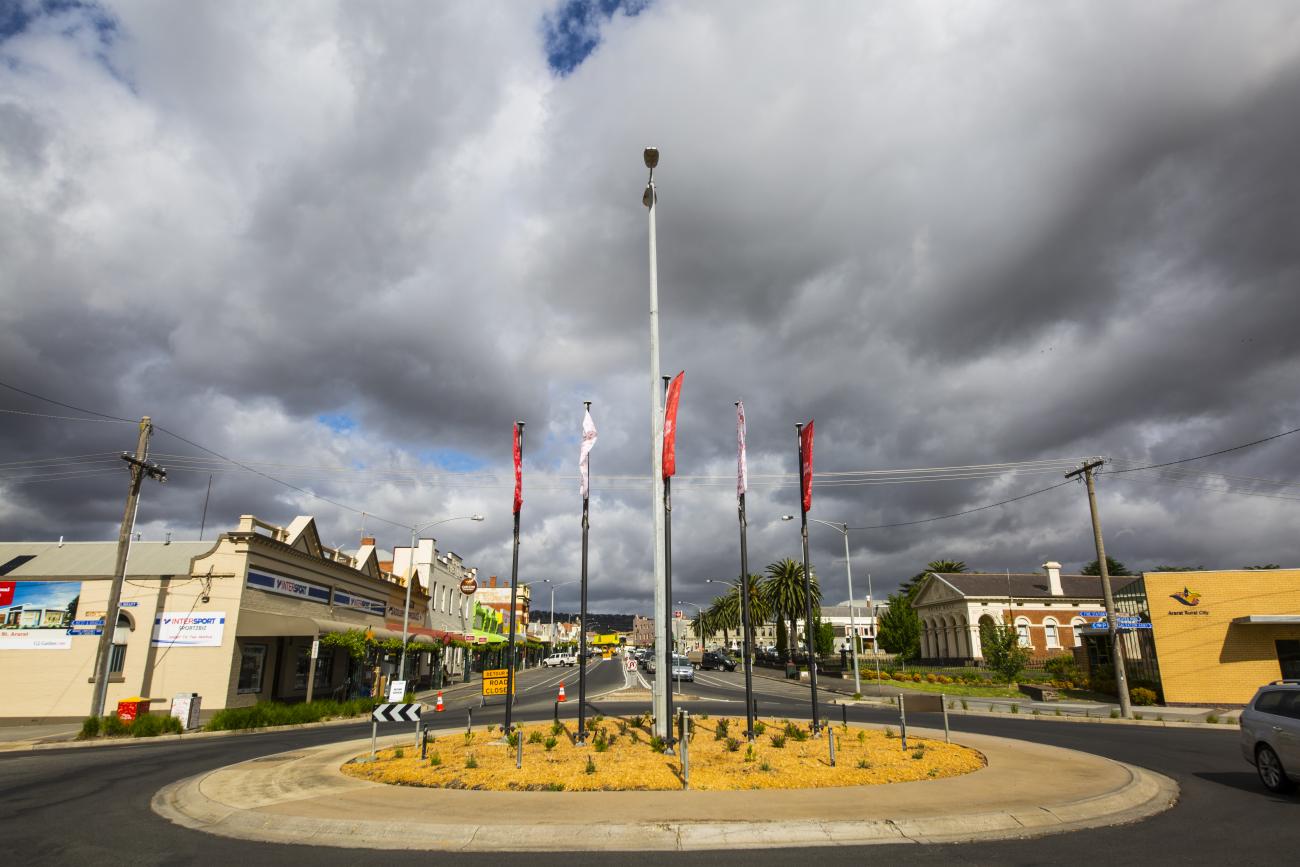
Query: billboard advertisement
[
  {"x": 36, "y": 615},
  {"x": 189, "y": 629}
]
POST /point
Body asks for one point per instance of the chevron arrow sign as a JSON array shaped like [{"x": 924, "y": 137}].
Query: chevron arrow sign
[{"x": 396, "y": 713}]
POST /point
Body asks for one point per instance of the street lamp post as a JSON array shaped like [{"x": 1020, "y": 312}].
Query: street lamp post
[
  {"x": 698, "y": 608},
  {"x": 553, "y": 586},
  {"x": 650, "y": 198},
  {"x": 410, "y": 579},
  {"x": 848, "y": 568}
]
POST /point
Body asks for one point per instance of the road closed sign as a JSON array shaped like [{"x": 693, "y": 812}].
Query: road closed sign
[{"x": 495, "y": 681}]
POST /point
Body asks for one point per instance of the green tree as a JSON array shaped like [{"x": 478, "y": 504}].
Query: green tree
[
  {"x": 825, "y": 634},
  {"x": 1113, "y": 567},
  {"x": 724, "y": 613},
  {"x": 785, "y": 594},
  {"x": 1264, "y": 566},
  {"x": 899, "y": 629},
  {"x": 913, "y": 584},
  {"x": 782, "y": 639},
  {"x": 1002, "y": 649},
  {"x": 1180, "y": 568}
]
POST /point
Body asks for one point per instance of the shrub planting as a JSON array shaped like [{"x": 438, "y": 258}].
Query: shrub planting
[{"x": 274, "y": 713}]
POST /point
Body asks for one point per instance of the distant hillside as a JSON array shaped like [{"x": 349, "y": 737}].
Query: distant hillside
[{"x": 597, "y": 622}]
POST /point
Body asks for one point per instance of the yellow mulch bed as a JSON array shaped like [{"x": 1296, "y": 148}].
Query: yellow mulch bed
[{"x": 864, "y": 757}]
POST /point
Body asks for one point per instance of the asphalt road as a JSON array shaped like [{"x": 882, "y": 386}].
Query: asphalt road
[{"x": 91, "y": 806}]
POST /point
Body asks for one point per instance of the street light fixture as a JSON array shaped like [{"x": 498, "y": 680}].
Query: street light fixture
[
  {"x": 410, "y": 579},
  {"x": 553, "y": 586},
  {"x": 848, "y": 568}
]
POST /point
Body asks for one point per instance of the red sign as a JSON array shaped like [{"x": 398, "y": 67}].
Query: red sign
[
  {"x": 670, "y": 426},
  {"x": 7, "y": 592},
  {"x": 806, "y": 469},
  {"x": 519, "y": 468}
]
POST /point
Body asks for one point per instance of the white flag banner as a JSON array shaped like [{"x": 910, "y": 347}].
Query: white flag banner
[
  {"x": 742, "y": 465},
  {"x": 584, "y": 456}
]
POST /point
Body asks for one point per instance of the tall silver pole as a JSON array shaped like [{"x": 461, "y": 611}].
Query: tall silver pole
[
  {"x": 406, "y": 610},
  {"x": 853, "y": 622},
  {"x": 663, "y": 684}
]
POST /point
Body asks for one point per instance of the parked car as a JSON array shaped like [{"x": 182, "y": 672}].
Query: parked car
[
  {"x": 1270, "y": 734},
  {"x": 557, "y": 659},
  {"x": 682, "y": 668},
  {"x": 716, "y": 659}
]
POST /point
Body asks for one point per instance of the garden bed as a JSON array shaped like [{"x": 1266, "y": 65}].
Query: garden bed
[{"x": 621, "y": 755}]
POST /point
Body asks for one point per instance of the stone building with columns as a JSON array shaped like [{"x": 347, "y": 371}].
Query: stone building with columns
[{"x": 1046, "y": 608}]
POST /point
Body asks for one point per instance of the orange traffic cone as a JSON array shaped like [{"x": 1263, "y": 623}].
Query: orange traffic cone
[
  {"x": 561, "y": 697},
  {"x": 438, "y": 708}
]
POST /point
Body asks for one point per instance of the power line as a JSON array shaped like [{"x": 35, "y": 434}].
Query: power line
[
  {"x": 66, "y": 417},
  {"x": 66, "y": 405},
  {"x": 1208, "y": 455},
  {"x": 967, "y": 511}
]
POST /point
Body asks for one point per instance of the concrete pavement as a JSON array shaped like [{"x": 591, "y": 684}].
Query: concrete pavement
[{"x": 302, "y": 796}]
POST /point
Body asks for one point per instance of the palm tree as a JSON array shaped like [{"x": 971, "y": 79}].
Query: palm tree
[
  {"x": 785, "y": 596},
  {"x": 913, "y": 584},
  {"x": 724, "y": 614}
]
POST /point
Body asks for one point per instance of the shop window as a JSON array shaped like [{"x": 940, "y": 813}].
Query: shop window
[
  {"x": 1076, "y": 626},
  {"x": 1053, "y": 636},
  {"x": 252, "y": 661},
  {"x": 325, "y": 668},
  {"x": 1288, "y": 657},
  {"x": 302, "y": 665}
]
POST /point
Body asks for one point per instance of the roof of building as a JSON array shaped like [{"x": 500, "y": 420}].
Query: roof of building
[
  {"x": 1021, "y": 585},
  {"x": 97, "y": 559}
]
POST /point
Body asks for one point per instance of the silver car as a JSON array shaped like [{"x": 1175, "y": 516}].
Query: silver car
[
  {"x": 1270, "y": 734},
  {"x": 682, "y": 668}
]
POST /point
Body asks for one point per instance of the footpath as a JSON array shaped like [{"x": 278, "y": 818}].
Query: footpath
[
  {"x": 884, "y": 693},
  {"x": 303, "y": 797}
]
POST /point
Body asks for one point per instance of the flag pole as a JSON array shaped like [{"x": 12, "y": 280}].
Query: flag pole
[
  {"x": 514, "y": 579},
  {"x": 668, "y": 597},
  {"x": 582, "y": 616},
  {"x": 809, "y": 627},
  {"x": 746, "y": 623}
]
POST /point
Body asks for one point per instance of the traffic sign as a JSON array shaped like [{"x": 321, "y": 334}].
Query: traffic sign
[
  {"x": 495, "y": 681},
  {"x": 679, "y": 614},
  {"x": 396, "y": 713}
]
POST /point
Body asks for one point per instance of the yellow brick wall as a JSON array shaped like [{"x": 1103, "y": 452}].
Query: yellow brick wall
[{"x": 1204, "y": 657}]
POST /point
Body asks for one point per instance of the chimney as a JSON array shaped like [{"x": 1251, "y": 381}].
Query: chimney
[
  {"x": 367, "y": 540},
  {"x": 492, "y": 582},
  {"x": 1054, "y": 577}
]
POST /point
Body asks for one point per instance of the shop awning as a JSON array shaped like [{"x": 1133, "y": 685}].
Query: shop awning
[
  {"x": 1268, "y": 620},
  {"x": 264, "y": 623}
]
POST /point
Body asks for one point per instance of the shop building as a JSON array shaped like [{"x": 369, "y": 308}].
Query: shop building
[
  {"x": 1206, "y": 638},
  {"x": 238, "y": 620}
]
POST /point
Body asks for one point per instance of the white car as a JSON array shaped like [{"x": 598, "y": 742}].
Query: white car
[
  {"x": 1270, "y": 734},
  {"x": 556, "y": 659}
]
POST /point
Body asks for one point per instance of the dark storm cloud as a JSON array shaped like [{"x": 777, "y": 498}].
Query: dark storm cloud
[{"x": 953, "y": 235}]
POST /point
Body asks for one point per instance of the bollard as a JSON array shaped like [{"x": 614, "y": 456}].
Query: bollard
[
  {"x": 945, "y": 719},
  {"x": 469, "y": 720},
  {"x": 374, "y": 734},
  {"x": 424, "y": 745},
  {"x": 685, "y": 717},
  {"x": 519, "y": 745},
  {"x": 830, "y": 742},
  {"x": 902, "y": 720},
  {"x": 844, "y": 712},
  {"x": 557, "y": 711}
]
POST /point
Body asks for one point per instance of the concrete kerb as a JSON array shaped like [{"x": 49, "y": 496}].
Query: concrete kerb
[
  {"x": 303, "y": 797},
  {"x": 1229, "y": 725}
]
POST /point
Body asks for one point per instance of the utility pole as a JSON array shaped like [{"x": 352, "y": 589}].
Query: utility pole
[
  {"x": 140, "y": 467},
  {"x": 1112, "y": 622}
]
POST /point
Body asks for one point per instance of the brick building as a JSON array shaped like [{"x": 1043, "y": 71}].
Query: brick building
[{"x": 1047, "y": 608}]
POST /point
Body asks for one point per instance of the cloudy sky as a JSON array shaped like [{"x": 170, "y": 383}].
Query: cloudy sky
[{"x": 348, "y": 244}]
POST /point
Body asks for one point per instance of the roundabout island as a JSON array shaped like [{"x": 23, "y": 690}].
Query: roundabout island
[{"x": 467, "y": 794}]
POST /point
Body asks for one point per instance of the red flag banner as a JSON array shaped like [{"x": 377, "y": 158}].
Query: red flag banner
[
  {"x": 806, "y": 470},
  {"x": 670, "y": 425},
  {"x": 742, "y": 465},
  {"x": 519, "y": 468}
]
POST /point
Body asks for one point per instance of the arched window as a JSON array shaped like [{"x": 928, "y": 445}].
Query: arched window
[
  {"x": 1076, "y": 626},
  {"x": 1022, "y": 630},
  {"x": 117, "y": 652},
  {"x": 1052, "y": 633}
]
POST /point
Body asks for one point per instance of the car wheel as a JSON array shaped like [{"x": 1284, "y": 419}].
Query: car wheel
[{"x": 1270, "y": 770}]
